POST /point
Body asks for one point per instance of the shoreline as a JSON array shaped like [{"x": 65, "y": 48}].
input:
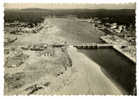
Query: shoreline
[
  {"x": 123, "y": 53},
  {"x": 117, "y": 48},
  {"x": 101, "y": 83}
]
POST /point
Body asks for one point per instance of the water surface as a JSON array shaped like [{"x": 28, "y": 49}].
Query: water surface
[{"x": 118, "y": 67}]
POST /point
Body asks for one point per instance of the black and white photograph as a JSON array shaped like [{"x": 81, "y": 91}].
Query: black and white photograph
[{"x": 69, "y": 49}]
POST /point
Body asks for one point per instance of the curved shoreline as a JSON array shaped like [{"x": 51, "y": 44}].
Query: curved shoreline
[{"x": 99, "y": 83}]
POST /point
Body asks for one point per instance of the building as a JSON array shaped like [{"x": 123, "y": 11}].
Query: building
[{"x": 113, "y": 26}]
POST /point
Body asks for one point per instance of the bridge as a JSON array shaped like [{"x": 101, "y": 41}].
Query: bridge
[
  {"x": 85, "y": 45},
  {"x": 92, "y": 45}
]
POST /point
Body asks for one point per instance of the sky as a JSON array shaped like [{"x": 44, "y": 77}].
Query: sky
[{"x": 69, "y": 6}]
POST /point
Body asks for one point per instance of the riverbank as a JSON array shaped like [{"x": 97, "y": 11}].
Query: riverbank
[
  {"x": 117, "y": 48},
  {"x": 121, "y": 46},
  {"x": 89, "y": 73}
]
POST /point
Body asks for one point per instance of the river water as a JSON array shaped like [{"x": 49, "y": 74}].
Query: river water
[{"x": 116, "y": 66}]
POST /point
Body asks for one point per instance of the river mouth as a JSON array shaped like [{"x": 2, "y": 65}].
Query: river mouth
[{"x": 117, "y": 67}]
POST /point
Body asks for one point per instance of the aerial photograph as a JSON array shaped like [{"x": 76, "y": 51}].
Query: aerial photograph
[{"x": 69, "y": 49}]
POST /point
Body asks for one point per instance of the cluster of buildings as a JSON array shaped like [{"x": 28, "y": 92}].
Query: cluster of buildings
[
  {"x": 115, "y": 29},
  {"x": 21, "y": 27}
]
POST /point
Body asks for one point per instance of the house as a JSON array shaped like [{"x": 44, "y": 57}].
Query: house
[
  {"x": 119, "y": 29},
  {"x": 107, "y": 24},
  {"x": 113, "y": 26}
]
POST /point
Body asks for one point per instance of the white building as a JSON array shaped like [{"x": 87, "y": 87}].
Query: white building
[{"x": 113, "y": 26}]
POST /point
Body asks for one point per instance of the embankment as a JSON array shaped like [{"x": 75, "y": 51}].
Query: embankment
[{"x": 90, "y": 80}]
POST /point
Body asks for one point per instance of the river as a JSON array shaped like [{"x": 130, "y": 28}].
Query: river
[{"x": 117, "y": 67}]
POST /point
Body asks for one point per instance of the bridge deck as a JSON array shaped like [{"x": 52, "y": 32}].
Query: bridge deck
[{"x": 86, "y": 45}]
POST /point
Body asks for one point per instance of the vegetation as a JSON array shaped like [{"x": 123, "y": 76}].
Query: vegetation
[
  {"x": 23, "y": 16},
  {"x": 123, "y": 16}
]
